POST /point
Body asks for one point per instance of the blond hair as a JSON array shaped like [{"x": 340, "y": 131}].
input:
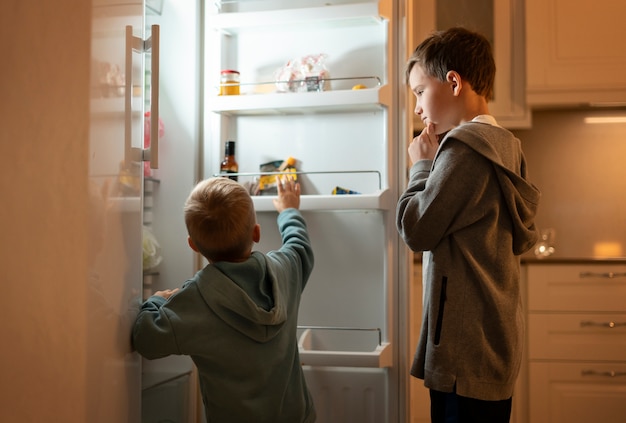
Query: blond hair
[{"x": 220, "y": 219}]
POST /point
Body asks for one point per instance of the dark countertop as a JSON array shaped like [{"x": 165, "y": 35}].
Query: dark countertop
[
  {"x": 558, "y": 260},
  {"x": 574, "y": 260}
]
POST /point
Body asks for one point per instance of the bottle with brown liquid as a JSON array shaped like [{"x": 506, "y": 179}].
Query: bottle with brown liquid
[{"x": 229, "y": 164}]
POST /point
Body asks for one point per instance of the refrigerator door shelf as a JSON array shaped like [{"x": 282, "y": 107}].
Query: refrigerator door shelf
[
  {"x": 297, "y": 19},
  {"x": 301, "y": 103},
  {"x": 115, "y": 105},
  {"x": 379, "y": 200},
  {"x": 125, "y": 204},
  {"x": 311, "y": 354}
]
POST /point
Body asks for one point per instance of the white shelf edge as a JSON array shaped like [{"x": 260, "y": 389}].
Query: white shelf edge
[
  {"x": 375, "y": 201},
  {"x": 362, "y": 13},
  {"x": 381, "y": 356},
  {"x": 292, "y": 103}
]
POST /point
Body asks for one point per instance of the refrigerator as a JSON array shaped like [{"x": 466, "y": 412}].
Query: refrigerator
[{"x": 321, "y": 82}]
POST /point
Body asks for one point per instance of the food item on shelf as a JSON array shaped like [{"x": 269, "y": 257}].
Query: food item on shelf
[
  {"x": 342, "y": 191},
  {"x": 229, "y": 165},
  {"x": 303, "y": 74},
  {"x": 269, "y": 172},
  {"x": 359, "y": 87},
  {"x": 229, "y": 82}
]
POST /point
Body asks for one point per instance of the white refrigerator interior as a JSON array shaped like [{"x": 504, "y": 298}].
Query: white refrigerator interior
[{"x": 353, "y": 331}]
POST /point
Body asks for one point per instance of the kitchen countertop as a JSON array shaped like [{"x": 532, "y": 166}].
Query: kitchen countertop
[
  {"x": 574, "y": 260},
  {"x": 417, "y": 258}
]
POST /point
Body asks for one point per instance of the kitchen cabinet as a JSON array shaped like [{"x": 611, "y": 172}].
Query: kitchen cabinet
[
  {"x": 503, "y": 24},
  {"x": 574, "y": 52},
  {"x": 576, "y": 342}
]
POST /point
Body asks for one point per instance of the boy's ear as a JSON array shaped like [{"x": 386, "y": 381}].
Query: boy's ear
[
  {"x": 256, "y": 233},
  {"x": 192, "y": 245},
  {"x": 455, "y": 80}
]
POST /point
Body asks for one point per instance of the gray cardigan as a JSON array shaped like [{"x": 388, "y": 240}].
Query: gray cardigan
[{"x": 471, "y": 211}]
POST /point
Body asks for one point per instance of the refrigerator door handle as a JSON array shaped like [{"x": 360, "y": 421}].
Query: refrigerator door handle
[
  {"x": 152, "y": 152},
  {"x": 135, "y": 154}
]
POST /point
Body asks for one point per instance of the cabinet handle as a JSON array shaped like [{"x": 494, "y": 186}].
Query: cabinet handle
[
  {"x": 587, "y": 323},
  {"x": 608, "y": 275},
  {"x": 610, "y": 373}
]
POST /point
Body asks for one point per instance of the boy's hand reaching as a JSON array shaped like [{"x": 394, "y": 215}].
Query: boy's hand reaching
[{"x": 288, "y": 193}]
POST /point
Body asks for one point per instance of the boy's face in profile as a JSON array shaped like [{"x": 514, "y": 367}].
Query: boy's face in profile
[{"x": 435, "y": 99}]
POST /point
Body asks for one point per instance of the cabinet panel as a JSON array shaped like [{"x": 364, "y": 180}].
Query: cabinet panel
[
  {"x": 573, "y": 51},
  {"x": 598, "y": 287},
  {"x": 577, "y": 336},
  {"x": 577, "y": 393}
]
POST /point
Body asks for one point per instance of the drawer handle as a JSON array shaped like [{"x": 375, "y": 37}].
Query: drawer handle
[
  {"x": 610, "y": 373},
  {"x": 610, "y": 325},
  {"x": 608, "y": 275}
]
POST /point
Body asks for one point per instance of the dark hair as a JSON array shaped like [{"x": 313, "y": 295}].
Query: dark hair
[{"x": 457, "y": 49}]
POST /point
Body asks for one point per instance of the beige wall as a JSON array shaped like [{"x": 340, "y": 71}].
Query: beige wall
[
  {"x": 581, "y": 170},
  {"x": 44, "y": 101}
]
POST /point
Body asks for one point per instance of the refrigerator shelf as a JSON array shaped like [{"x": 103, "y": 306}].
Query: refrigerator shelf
[
  {"x": 297, "y": 18},
  {"x": 302, "y": 103},
  {"x": 114, "y": 105},
  {"x": 346, "y": 351},
  {"x": 378, "y": 200},
  {"x": 124, "y": 204}
]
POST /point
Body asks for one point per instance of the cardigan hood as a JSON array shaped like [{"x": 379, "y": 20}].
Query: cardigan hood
[
  {"x": 235, "y": 306},
  {"x": 505, "y": 152}
]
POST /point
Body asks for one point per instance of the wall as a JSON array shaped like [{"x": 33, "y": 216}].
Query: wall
[
  {"x": 44, "y": 94},
  {"x": 580, "y": 169}
]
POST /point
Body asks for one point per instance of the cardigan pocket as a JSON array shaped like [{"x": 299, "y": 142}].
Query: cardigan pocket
[{"x": 442, "y": 301}]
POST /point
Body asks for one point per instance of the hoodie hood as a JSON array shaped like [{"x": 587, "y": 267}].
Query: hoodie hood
[
  {"x": 241, "y": 309},
  {"x": 504, "y": 150}
]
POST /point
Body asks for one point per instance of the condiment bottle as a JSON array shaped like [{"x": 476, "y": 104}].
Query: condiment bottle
[
  {"x": 229, "y": 164},
  {"x": 229, "y": 82}
]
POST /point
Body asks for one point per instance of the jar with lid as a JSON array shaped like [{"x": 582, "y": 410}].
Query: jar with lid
[{"x": 229, "y": 82}]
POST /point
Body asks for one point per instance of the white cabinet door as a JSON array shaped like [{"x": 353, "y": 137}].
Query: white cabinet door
[
  {"x": 577, "y": 393},
  {"x": 575, "y": 52}
]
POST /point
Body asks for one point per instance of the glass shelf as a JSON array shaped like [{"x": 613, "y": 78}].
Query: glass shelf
[
  {"x": 379, "y": 200},
  {"x": 301, "y": 103}
]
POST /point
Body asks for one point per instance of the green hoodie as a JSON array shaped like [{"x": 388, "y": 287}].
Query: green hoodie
[
  {"x": 238, "y": 323},
  {"x": 471, "y": 211}
]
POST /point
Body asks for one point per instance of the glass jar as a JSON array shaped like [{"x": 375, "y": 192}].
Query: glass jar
[{"x": 229, "y": 82}]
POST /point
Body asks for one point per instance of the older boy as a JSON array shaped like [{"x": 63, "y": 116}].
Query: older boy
[
  {"x": 237, "y": 317},
  {"x": 470, "y": 209}
]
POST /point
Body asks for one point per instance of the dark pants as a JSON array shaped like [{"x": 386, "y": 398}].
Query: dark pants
[{"x": 452, "y": 408}]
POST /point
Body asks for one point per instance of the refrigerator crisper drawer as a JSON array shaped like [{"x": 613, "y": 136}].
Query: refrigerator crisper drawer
[{"x": 343, "y": 347}]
